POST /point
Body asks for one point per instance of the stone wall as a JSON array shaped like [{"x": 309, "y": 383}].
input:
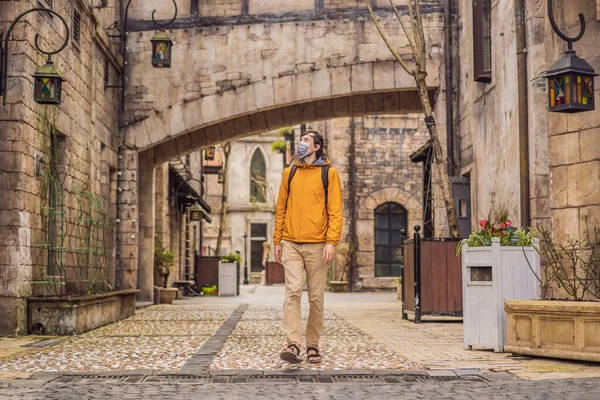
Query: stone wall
[
  {"x": 487, "y": 118},
  {"x": 86, "y": 128},
  {"x": 564, "y": 155},
  {"x": 574, "y": 150},
  {"x": 383, "y": 173}
]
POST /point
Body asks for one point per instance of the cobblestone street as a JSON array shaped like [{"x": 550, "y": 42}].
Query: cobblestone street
[{"x": 227, "y": 347}]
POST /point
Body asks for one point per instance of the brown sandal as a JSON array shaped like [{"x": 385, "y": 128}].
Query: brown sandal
[
  {"x": 313, "y": 358},
  {"x": 291, "y": 354}
]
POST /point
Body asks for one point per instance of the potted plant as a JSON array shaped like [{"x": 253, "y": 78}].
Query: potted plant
[
  {"x": 565, "y": 323},
  {"x": 163, "y": 261},
  {"x": 499, "y": 263}
]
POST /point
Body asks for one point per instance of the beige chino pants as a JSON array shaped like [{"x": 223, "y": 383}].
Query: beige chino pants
[{"x": 300, "y": 259}]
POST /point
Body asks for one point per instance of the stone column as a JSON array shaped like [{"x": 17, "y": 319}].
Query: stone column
[
  {"x": 127, "y": 229},
  {"x": 147, "y": 188}
]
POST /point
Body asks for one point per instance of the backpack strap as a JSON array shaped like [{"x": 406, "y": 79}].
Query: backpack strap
[
  {"x": 292, "y": 173},
  {"x": 325, "y": 179}
]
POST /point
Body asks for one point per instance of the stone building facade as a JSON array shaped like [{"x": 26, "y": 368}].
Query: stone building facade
[
  {"x": 563, "y": 180},
  {"x": 542, "y": 167},
  {"x": 58, "y": 165},
  {"x": 253, "y": 176}
]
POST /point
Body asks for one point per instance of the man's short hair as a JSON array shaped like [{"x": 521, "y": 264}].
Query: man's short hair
[{"x": 318, "y": 140}]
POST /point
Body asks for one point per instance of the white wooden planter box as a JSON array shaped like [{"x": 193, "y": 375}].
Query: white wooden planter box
[
  {"x": 492, "y": 275},
  {"x": 227, "y": 279}
]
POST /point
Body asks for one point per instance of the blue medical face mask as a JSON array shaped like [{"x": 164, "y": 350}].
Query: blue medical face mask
[{"x": 302, "y": 149}]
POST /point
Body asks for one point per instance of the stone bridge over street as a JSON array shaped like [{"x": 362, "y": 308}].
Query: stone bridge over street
[
  {"x": 237, "y": 75},
  {"x": 241, "y": 75}
]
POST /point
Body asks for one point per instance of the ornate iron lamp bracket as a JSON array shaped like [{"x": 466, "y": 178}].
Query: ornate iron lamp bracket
[
  {"x": 4, "y": 46},
  {"x": 569, "y": 40}
]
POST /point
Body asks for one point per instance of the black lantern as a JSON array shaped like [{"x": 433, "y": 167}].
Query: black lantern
[
  {"x": 570, "y": 85},
  {"x": 570, "y": 79},
  {"x": 161, "y": 50},
  {"x": 47, "y": 80},
  {"x": 47, "y": 84},
  {"x": 195, "y": 212}
]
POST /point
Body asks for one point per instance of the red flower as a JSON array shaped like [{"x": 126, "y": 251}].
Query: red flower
[
  {"x": 508, "y": 222},
  {"x": 483, "y": 223},
  {"x": 503, "y": 226},
  {"x": 493, "y": 230}
]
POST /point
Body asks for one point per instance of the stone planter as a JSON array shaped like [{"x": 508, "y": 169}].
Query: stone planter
[
  {"x": 338, "y": 286},
  {"x": 74, "y": 315},
  {"x": 557, "y": 329},
  {"x": 167, "y": 295}
]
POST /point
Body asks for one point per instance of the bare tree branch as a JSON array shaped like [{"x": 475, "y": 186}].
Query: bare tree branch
[
  {"x": 387, "y": 41},
  {"x": 410, "y": 41}
]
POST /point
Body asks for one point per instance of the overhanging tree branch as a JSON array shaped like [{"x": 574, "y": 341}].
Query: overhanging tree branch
[{"x": 419, "y": 73}]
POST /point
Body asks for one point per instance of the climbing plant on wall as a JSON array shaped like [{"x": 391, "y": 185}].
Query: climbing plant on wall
[{"x": 70, "y": 249}]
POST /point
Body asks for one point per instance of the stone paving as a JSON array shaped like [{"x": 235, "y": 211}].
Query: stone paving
[
  {"x": 228, "y": 348},
  {"x": 259, "y": 336}
]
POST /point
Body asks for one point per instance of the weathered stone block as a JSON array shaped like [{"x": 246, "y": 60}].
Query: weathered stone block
[
  {"x": 564, "y": 149},
  {"x": 13, "y": 316},
  {"x": 76, "y": 315},
  {"x": 583, "y": 187}
]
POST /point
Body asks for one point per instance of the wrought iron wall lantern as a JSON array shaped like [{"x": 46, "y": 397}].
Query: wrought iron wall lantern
[
  {"x": 47, "y": 80},
  {"x": 570, "y": 79},
  {"x": 195, "y": 212},
  {"x": 199, "y": 209},
  {"x": 161, "y": 47}
]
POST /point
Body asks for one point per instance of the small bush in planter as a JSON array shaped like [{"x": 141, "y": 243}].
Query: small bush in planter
[
  {"x": 573, "y": 267},
  {"x": 163, "y": 260},
  {"x": 503, "y": 229},
  {"x": 232, "y": 258}
]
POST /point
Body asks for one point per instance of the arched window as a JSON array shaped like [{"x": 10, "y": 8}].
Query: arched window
[
  {"x": 258, "y": 178},
  {"x": 390, "y": 218}
]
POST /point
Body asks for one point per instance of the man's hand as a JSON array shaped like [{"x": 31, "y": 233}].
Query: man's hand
[
  {"x": 278, "y": 251},
  {"x": 328, "y": 253}
]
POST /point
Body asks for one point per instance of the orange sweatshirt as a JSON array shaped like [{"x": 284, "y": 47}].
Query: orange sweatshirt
[{"x": 303, "y": 217}]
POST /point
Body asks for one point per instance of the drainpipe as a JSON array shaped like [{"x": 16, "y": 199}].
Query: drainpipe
[
  {"x": 352, "y": 198},
  {"x": 449, "y": 93},
  {"x": 523, "y": 112}
]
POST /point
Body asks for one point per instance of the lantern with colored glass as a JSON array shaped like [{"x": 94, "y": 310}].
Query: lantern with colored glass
[
  {"x": 47, "y": 87},
  {"x": 570, "y": 85},
  {"x": 209, "y": 153},
  {"x": 161, "y": 50},
  {"x": 195, "y": 212}
]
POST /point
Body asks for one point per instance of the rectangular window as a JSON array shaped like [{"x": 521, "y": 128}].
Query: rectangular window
[
  {"x": 482, "y": 40},
  {"x": 76, "y": 27},
  {"x": 258, "y": 235},
  {"x": 106, "y": 71}
]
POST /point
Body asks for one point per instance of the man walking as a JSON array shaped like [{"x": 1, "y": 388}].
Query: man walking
[{"x": 308, "y": 226}]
